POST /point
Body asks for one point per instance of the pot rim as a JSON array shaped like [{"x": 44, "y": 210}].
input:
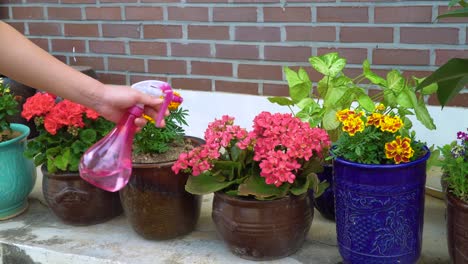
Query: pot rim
[
  {"x": 453, "y": 199},
  {"x": 17, "y": 127},
  {"x": 224, "y": 196}
]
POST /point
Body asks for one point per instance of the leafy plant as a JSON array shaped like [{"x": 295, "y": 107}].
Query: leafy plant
[
  {"x": 152, "y": 139},
  {"x": 452, "y": 76},
  {"x": 279, "y": 157},
  {"x": 8, "y": 107},
  {"x": 66, "y": 131},
  {"x": 455, "y": 165}
]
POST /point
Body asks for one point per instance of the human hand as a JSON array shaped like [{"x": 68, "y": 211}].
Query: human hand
[{"x": 114, "y": 100}]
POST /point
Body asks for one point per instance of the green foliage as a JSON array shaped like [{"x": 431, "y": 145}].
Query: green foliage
[
  {"x": 152, "y": 139},
  {"x": 8, "y": 107}
]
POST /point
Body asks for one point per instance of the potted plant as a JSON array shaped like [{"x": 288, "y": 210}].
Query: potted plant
[
  {"x": 455, "y": 169},
  {"x": 66, "y": 131},
  {"x": 259, "y": 180},
  {"x": 17, "y": 173},
  {"x": 380, "y": 173},
  {"x": 154, "y": 200}
]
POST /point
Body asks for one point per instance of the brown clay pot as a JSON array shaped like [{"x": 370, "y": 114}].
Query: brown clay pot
[
  {"x": 457, "y": 229},
  {"x": 156, "y": 204},
  {"x": 262, "y": 230},
  {"x": 77, "y": 202}
]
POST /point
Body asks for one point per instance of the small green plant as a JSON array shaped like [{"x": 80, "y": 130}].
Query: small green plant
[
  {"x": 8, "y": 107},
  {"x": 455, "y": 165}
]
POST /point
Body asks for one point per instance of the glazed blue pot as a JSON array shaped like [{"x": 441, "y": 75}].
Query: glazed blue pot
[
  {"x": 325, "y": 203},
  {"x": 17, "y": 174},
  {"x": 380, "y": 211}
]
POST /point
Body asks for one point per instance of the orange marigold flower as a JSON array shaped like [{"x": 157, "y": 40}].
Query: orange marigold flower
[
  {"x": 344, "y": 114},
  {"x": 399, "y": 150},
  {"x": 353, "y": 124},
  {"x": 176, "y": 101},
  {"x": 391, "y": 123},
  {"x": 147, "y": 117},
  {"x": 374, "y": 120}
]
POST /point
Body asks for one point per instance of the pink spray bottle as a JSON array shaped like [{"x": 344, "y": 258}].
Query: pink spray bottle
[{"x": 108, "y": 163}]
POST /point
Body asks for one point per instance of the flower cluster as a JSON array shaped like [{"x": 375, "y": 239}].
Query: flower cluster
[
  {"x": 275, "y": 153},
  {"x": 455, "y": 165},
  {"x": 66, "y": 131},
  {"x": 8, "y": 107},
  {"x": 374, "y": 138}
]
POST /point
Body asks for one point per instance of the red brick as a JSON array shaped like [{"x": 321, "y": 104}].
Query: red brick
[
  {"x": 120, "y": 1},
  {"x": 112, "y": 78},
  {"x": 355, "y": 72},
  {"x": 310, "y": 33},
  {"x": 445, "y": 9},
  {"x": 208, "y": 32},
  {"x": 41, "y": 29},
  {"x": 103, "y": 13},
  {"x": 211, "y": 68},
  {"x": 255, "y": 1},
  {"x": 342, "y": 14},
  {"x": 121, "y": 30},
  {"x": 27, "y": 12},
  {"x": 148, "y": 48},
  {"x": 12, "y": 2},
  {"x": 237, "y": 87},
  {"x": 352, "y": 55},
  {"x": 41, "y": 42},
  {"x": 78, "y": 1},
  {"x": 134, "y": 78},
  {"x": 143, "y": 13},
  {"x": 81, "y": 30},
  {"x": 42, "y": 1},
  {"x": 107, "y": 47},
  {"x": 61, "y": 58},
  {"x": 263, "y": 34},
  {"x": 207, "y": 1},
  {"x": 417, "y": 35},
  {"x": 97, "y": 63},
  {"x": 167, "y": 66},
  {"x": 162, "y": 31},
  {"x": 288, "y": 14},
  {"x": 442, "y": 56},
  {"x": 403, "y": 14},
  {"x": 190, "y": 50},
  {"x": 234, "y": 51},
  {"x": 460, "y": 100},
  {"x": 19, "y": 26},
  {"x": 278, "y": 53},
  {"x": 260, "y": 72},
  {"x": 191, "y": 84},
  {"x": 67, "y": 45},
  {"x": 188, "y": 13},
  {"x": 161, "y": 1},
  {"x": 126, "y": 64},
  {"x": 408, "y": 74},
  {"x": 235, "y": 14},
  {"x": 366, "y": 34},
  {"x": 401, "y": 57},
  {"x": 64, "y": 13},
  {"x": 275, "y": 89}
]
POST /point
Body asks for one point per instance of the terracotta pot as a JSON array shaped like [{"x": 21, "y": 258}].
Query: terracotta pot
[
  {"x": 156, "y": 203},
  {"x": 77, "y": 202},
  {"x": 457, "y": 229},
  {"x": 262, "y": 230}
]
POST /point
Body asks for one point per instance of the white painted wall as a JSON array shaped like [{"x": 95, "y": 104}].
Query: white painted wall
[{"x": 204, "y": 107}]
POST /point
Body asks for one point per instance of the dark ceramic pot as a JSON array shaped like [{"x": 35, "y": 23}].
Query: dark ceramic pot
[
  {"x": 457, "y": 229},
  {"x": 325, "y": 203},
  {"x": 77, "y": 202},
  {"x": 262, "y": 230},
  {"x": 155, "y": 201},
  {"x": 380, "y": 211},
  {"x": 24, "y": 92}
]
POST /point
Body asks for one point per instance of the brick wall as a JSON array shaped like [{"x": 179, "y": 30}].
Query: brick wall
[{"x": 238, "y": 46}]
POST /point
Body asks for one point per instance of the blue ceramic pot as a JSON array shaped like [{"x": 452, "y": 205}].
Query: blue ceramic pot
[
  {"x": 17, "y": 174},
  {"x": 325, "y": 203},
  {"x": 380, "y": 211}
]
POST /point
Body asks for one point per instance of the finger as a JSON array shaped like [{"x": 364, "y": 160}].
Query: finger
[{"x": 140, "y": 122}]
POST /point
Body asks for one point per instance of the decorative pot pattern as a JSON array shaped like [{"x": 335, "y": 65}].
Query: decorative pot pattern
[
  {"x": 155, "y": 201},
  {"x": 262, "y": 230},
  {"x": 457, "y": 229},
  {"x": 325, "y": 204},
  {"x": 77, "y": 202},
  {"x": 17, "y": 175},
  {"x": 380, "y": 211}
]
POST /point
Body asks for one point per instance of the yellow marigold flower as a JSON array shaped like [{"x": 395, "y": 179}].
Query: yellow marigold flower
[
  {"x": 380, "y": 107},
  {"x": 346, "y": 113},
  {"x": 390, "y": 123},
  {"x": 353, "y": 124},
  {"x": 374, "y": 120},
  {"x": 149, "y": 118},
  {"x": 399, "y": 150},
  {"x": 174, "y": 104}
]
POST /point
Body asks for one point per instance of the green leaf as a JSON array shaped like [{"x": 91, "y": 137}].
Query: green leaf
[
  {"x": 423, "y": 115},
  {"x": 371, "y": 76},
  {"x": 334, "y": 94},
  {"x": 301, "y": 185},
  {"x": 283, "y": 101},
  {"x": 407, "y": 99},
  {"x": 62, "y": 161},
  {"x": 463, "y": 12},
  {"x": 329, "y": 120},
  {"x": 255, "y": 185},
  {"x": 453, "y": 2},
  {"x": 395, "y": 81},
  {"x": 451, "y": 79},
  {"x": 330, "y": 64},
  {"x": 366, "y": 102},
  {"x": 88, "y": 135},
  {"x": 307, "y": 102},
  {"x": 299, "y": 84},
  {"x": 205, "y": 183}
]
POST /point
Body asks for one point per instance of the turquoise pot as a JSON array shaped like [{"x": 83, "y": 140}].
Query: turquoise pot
[{"x": 17, "y": 174}]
